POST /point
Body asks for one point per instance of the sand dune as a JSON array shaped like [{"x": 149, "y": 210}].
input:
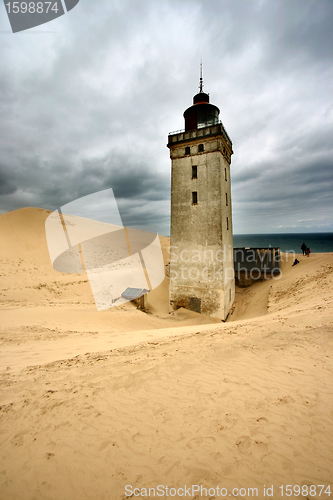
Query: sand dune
[{"x": 94, "y": 401}]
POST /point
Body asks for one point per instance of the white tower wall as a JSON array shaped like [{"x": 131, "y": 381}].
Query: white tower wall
[{"x": 201, "y": 267}]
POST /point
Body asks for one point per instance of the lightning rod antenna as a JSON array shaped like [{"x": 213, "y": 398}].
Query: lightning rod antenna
[{"x": 201, "y": 79}]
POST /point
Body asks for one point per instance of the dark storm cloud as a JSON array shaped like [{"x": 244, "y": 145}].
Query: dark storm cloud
[
  {"x": 7, "y": 186},
  {"x": 287, "y": 196},
  {"x": 90, "y": 106},
  {"x": 72, "y": 180}
]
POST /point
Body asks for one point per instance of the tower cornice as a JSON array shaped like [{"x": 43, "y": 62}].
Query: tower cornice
[{"x": 184, "y": 136}]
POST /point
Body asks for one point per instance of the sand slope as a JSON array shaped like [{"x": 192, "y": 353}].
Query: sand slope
[{"x": 94, "y": 401}]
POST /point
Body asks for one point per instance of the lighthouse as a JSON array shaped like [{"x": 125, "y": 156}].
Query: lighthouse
[{"x": 201, "y": 241}]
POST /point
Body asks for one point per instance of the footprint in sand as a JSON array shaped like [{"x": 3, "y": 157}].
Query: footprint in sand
[
  {"x": 262, "y": 420},
  {"x": 243, "y": 442},
  {"x": 286, "y": 400}
]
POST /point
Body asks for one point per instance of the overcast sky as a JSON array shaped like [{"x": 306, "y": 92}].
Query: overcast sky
[{"x": 87, "y": 102}]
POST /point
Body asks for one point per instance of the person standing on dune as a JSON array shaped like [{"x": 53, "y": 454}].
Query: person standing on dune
[{"x": 303, "y": 248}]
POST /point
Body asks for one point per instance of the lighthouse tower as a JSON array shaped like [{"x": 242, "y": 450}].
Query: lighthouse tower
[{"x": 201, "y": 254}]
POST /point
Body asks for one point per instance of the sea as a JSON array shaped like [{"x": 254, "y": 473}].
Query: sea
[{"x": 288, "y": 242}]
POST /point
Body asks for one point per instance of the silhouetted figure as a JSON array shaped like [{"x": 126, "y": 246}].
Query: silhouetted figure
[{"x": 304, "y": 248}]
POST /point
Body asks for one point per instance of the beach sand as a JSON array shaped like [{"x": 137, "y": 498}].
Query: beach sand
[{"x": 92, "y": 402}]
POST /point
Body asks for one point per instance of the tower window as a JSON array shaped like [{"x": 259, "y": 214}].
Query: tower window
[
  {"x": 200, "y": 148},
  {"x": 227, "y": 223},
  {"x": 194, "y": 172},
  {"x": 194, "y": 198},
  {"x": 226, "y": 199},
  {"x": 187, "y": 150},
  {"x": 225, "y": 174}
]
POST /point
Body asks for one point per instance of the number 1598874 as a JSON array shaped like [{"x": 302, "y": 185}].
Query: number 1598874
[
  {"x": 305, "y": 490},
  {"x": 31, "y": 7}
]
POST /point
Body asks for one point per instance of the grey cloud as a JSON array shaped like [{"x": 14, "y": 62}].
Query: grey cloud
[
  {"x": 7, "y": 185},
  {"x": 91, "y": 106}
]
